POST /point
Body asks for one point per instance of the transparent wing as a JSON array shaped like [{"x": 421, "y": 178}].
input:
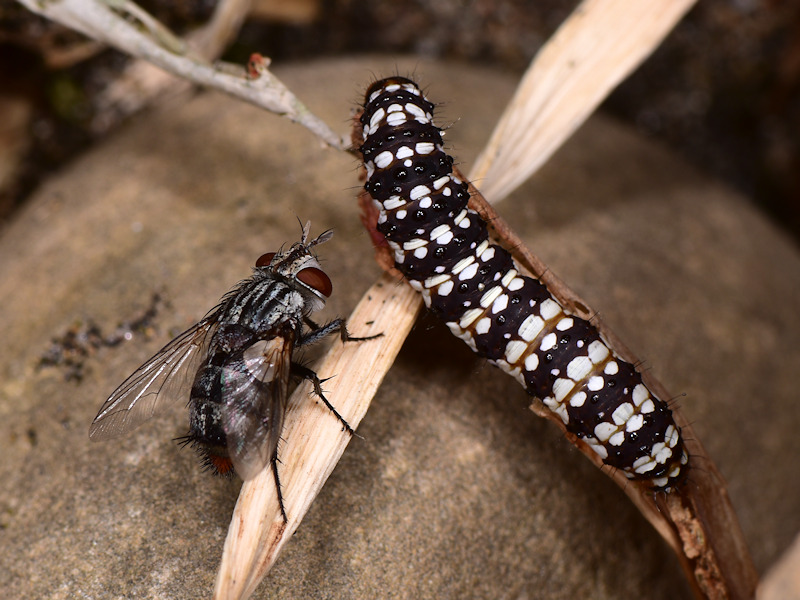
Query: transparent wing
[
  {"x": 165, "y": 378},
  {"x": 255, "y": 393}
]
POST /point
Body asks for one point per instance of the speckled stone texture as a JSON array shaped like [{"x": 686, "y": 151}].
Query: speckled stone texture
[{"x": 456, "y": 490}]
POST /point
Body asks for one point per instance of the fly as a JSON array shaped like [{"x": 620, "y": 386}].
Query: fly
[{"x": 240, "y": 355}]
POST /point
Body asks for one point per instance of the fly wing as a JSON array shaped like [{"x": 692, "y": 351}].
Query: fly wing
[
  {"x": 255, "y": 393},
  {"x": 164, "y": 378}
]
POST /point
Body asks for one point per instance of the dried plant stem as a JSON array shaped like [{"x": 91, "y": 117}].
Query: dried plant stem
[
  {"x": 141, "y": 82},
  {"x": 601, "y": 43},
  {"x": 313, "y": 437},
  {"x": 106, "y": 22}
]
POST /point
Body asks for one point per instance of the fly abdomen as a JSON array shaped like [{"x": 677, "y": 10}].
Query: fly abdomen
[
  {"x": 206, "y": 428},
  {"x": 443, "y": 248}
]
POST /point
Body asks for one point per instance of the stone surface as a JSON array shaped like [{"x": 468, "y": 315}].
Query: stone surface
[{"x": 456, "y": 490}]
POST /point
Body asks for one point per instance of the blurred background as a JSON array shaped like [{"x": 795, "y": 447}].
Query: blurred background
[{"x": 722, "y": 90}]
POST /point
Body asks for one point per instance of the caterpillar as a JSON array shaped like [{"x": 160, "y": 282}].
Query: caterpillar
[{"x": 443, "y": 249}]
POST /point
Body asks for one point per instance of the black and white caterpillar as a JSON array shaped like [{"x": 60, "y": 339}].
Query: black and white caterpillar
[{"x": 443, "y": 249}]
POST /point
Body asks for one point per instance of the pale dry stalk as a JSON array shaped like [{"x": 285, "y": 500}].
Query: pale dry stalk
[
  {"x": 144, "y": 38},
  {"x": 313, "y": 437}
]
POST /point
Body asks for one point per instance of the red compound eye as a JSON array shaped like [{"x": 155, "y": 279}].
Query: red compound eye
[
  {"x": 316, "y": 279},
  {"x": 265, "y": 259}
]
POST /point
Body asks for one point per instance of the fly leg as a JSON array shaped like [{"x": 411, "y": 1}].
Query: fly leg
[
  {"x": 316, "y": 333},
  {"x": 274, "y": 462},
  {"x": 320, "y": 331},
  {"x": 304, "y": 372}
]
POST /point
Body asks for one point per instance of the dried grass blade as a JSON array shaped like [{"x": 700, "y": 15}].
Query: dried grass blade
[
  {"x": 599, "y": 45},
  {"x": 313, "y": 438}
]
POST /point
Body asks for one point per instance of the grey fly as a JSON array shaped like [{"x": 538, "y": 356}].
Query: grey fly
[{"x": 241, "y": 356}]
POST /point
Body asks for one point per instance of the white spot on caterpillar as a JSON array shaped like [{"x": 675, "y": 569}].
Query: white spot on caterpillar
[
  {"x": 444, "y": 238},
  {"x": 404, "y": 152},
  {"x": 460, "y": 217},
  {"x": 549, "y": 309},
  {"x": 437, "y": 185},
  {"x": 436, "y": 280},
  {"x": 579, "y": 367},
  {"x": 514, "y": 350},
  {"x": 415, "y": 110},
  {"x": 516, "y": 284},
  {"x": 401, "y": 214},
  {"x": 424, "y": 147},
  {"x": 578, "y": 399},
  {"x": 393, "y": 119},
  {"x": 663, "y": 455},
  {"x": 530, "y": 328},
  {"x": 445, "y": 288},
  {"x": 598, "y": 352},
  {"x": 439, "y": 231},
  {"x": 562, "y": 387},
  {"x": 557, "y": 408},
  {"x": 469, "y": 272},
  {"x": 531, "y": 362},
  {"x": 421, "y": 252},
  {"x": 612, "y": 368},
  {"x": 394, "y": 202},
  {"x": 508, "y": 277},
  {"x": 418, "y": 192},
  {"x": 454, "y": 328},
  {"x": 468, "y": 317},
  {"x": 487, "y": 254},
  {"x": 595, "y": 383},
  {"x": 622, "y": 413},
  {"x": 634, "y": 423},
  {"x": 462, "y": 264},
  {"x": 490, "y": 296},
  {"x": 425, "y": 202},
  {"x": 384, "y": 159},
  {"x": 643, "y": 465},
  {"x": 500, "y": 304},
  {"x": 671, "y": 436},
  {"x": 549, "y": 342},
  {"x": 660, "y": 482},
  {"x": 617, "y": 439},
  {"x": 376, "y": 118},
  {"x": 565, "y": 323},
  {"x": 414, "y": 244},
  {"x": 603, "y": 431},
  {"x": 482, "y": 326},
  {"x": 598, "y": 448},
  {"x": 640, "y": 394}
]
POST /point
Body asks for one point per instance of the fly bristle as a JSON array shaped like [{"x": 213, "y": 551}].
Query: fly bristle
[{"x": 210, "y": 461}]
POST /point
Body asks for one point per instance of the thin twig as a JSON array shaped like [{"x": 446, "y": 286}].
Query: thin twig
[
  {"x": 99, "y": 21},
  {"x": 141, "y": 82}
]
